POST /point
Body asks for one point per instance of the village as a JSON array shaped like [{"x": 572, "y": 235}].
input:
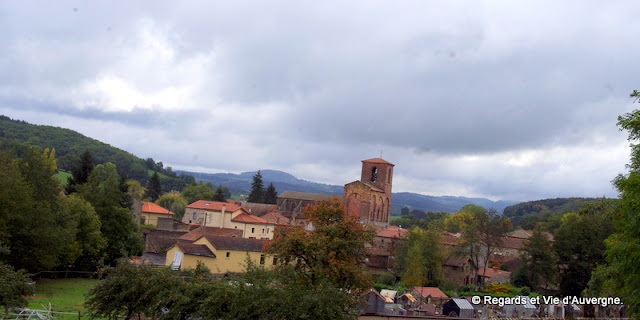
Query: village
[{"x": 222, "y": 235}]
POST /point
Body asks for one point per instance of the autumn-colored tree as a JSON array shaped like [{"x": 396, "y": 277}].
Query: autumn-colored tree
[{"x": 333, "y": 251}]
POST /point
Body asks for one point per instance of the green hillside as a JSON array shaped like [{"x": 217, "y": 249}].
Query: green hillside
[
  {"x": 69, "y": 146},
  {"x": 535, "y": 210}
]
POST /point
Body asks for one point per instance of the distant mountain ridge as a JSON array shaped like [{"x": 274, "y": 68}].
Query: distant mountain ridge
[{"x": 241, "y": 183}]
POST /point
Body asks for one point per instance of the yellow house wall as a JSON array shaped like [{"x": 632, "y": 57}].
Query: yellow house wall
[
  {"x": 152, "y": 218},
  {"x": 190, "y": 261},
  {"x": 236, "y": 262}
]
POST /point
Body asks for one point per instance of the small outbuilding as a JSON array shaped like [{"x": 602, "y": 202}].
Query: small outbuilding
[{"x": 458, "y": 308}]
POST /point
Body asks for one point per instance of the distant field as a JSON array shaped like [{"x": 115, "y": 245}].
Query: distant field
[
  {"x": 160, "y": 174},
  {"x": 65, "y": 295},
  {"x": 392, "y": 218},
  {"x": 63, "y": 176}
]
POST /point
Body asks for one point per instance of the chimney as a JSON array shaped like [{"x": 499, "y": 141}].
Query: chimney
[{"x": 224, "y": 207}]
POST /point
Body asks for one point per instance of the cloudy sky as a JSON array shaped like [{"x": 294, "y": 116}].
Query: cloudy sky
[{"x": 512, "y": 100}]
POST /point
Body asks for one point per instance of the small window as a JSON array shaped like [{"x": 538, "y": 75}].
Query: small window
[
  {"x": 262, "y": 259},
  {"x": 208, "y": 203},
  {"x": 195, "y": 216},
  {"x": 374, "y": 174},
  {"x": 262, "y": 230},
  {"x": 267, "y": 230},
  {"x": 228, "y": 254},
  {"x": 275, "y": 260},
  {"x": 253, "y": 230}
]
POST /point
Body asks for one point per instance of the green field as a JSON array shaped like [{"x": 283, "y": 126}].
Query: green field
[
  {"x": 391, "y": 218},
  {"x": 63, "y": 176},
  {"x": 65, "y": 295}
]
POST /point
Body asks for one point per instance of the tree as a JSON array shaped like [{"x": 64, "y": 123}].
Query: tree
[
  {"x": 219, "y": 196},
  {"x": 199, "y": 191},
  {"x": 154, "y": 187},
  {"x": 118, "y": 226},
  {"x": 333, "y": 251},
  {"x": 271, "y": 195},
  {"x": 579, "y": 245},
  {"x": 538, "y": 261},
  {"x": 257, "y": 189},
  {"x": 492, "y": 228},
  {"x": 80, "y": 172},
  {"x": 419, "y": 257},
  {"x": 623, "y": 247},
  {"x": 174, "y": 203},
  {"x": 14, "y": 287}
]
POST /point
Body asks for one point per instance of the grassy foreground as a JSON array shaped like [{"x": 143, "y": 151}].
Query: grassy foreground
[{"x": 65, "y": 295}]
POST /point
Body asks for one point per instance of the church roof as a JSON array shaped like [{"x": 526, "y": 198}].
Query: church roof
[
  {"x": 371, "y": 186},
  {"x": 306, "y": 196},
  {"x": 378, "y": 160}
]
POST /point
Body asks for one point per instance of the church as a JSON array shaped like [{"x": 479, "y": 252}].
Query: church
[{"x": 368, "y": 198}]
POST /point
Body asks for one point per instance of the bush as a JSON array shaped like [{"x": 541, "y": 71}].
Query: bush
[
  {"x": 525, "y": 291},
  {"x": 498, "y": 288},
  {"x": 386, "y": 278}
]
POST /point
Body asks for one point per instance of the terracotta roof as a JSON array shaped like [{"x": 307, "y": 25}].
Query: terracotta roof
[
  {"x": 214, "y": 206},
  {"x": 371, "y": 186},
  {"x": 448, "y": 238},
  {"x": 247, "y": 218},
  {"x": 156, "y": 240},
  {"x": 378, "y": 160},
  {"x": 195, "y": 249},
  {"x": 306, "y": 196},
  {"x": 435, "y": 292},
  {"x": 240, "y": 244},
  {"x": 276, "y": 218},
  {"x": 512, "y": 243},
  {"x": 392, "y": 232},
  {"x": 491, "y": 272},
  {"x": 197, "y": 233},
  {"x": 547, "y": 234},
  {"x": 150, "y": 207},
  {"x": 259, "y": 209},
  {"x": 409, "y": 296}
]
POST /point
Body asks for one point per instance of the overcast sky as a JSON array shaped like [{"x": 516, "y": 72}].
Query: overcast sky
[{"x": 513, "y": 100}]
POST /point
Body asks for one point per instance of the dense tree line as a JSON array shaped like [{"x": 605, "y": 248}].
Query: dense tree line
[
  {"x": 260, "y": 194},
  {"x": 528, "y": 214},
  {"x": 70, "y": 147},
  {"x": 42, "y": 228}
]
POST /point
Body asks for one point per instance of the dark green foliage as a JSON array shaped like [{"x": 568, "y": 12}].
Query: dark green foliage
[
  {"x": 531, "y": 212},
  {"x": 404, "y": 211},
  {"x": 81, "y": 171},
  {"x": 271, "y": 195},
  {"x": 154, "y": 187},
  {"x": 257, "y": 189},
  {"x": 538, "y": 261},
  {"x": 409, "y": 221},
  {"x": 174, "y": 203},
  {"x": 39, "y": 227},
  {"x": 117, "y": 223},
  {"x": 579, "y": 245},
  {"x": 14, "y": 287},
  {"x": 129, "y": 290},
  {"x": 419, "y": 258},
  {"x": 70, "y": 146},
  {"x": 195, "y": 192},
  {"x": 219, "y": 196},
  {"x": 623, "y": 248}
]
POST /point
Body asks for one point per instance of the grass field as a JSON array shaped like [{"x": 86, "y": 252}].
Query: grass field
[
  {"x": 391, "y": 218},
  {"x": 65, "y": 295},
  {"x": 62, "y": 176}
]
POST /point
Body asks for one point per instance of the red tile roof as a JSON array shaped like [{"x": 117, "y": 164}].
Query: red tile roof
[
  {"x": 433, "y": 291},
  {"x": 491, "y": 272},
  {"x": 214, "y": 206},
  {"x": 392, "y": 232},
  {"x": 276, "y": 218},
  {"x": 378, "y": 160},
  {"x": 197, "y": 233},
  {"x": 239, "y": 244},
  {"x": 150, "y": 207},
  {"x": 547, "y": 234},
  {"x": 195, "y": 249},
  {"x": 247, "y": 218},
  {"x": 512, "y": 243}
]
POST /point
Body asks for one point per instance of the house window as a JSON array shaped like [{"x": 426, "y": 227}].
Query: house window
[
  {"x": 275, "y": 260},
  {"x": 262, "y": 230},
  {"x": 228, "y": 254},
  {"x": 262, "y": 259},
  {"x": 374, "y": 174},
  {"x": 253, "y": 230},
  {"x": 195, "y": 216},
  {"x": 267, "y": 230}
]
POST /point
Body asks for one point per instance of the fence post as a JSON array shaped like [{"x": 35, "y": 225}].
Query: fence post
[{"x": 79, "y": 315}]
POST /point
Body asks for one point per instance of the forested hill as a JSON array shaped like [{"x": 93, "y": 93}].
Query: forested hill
[
  {"x": 70, "y": 145},
  {"x": 539, "y": 208}
]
